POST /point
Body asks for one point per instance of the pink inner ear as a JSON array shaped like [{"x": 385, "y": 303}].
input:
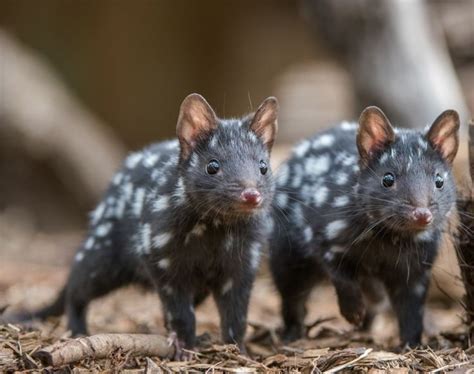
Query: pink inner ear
[{"x": 376, "y": 137}]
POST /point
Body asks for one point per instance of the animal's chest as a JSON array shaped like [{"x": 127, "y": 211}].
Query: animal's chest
[
  {"x": 207, "y": 251},
  {"x": 392, "y": 257}
]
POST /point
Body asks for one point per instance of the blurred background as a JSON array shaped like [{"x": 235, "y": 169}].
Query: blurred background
[{"x": 83, "y": 82}]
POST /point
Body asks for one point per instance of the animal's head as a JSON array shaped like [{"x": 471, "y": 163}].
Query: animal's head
[
  {"x": 406, "y": 182},
  {"x": 225, "y": 163}
]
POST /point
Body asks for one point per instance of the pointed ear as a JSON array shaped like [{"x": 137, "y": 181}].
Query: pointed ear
[
  {"x": 375, "y": 132},
  {"x": 443, "y": 134},
  {"x": 265, "y": 121},
  {"x": 196, "y": 120}
]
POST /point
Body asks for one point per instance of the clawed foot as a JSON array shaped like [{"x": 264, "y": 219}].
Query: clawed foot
[
  {"x": 353, "y": 311},
  {"x": 180, "y": 351}
]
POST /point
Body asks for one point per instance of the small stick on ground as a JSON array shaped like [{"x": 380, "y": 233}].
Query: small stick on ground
[{"x": 102, "y": 346}]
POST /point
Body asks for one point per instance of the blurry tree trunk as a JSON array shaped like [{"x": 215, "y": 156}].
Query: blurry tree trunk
[
  {"x": 397, "y": 57},
  {"x": 51, "y": 125}
]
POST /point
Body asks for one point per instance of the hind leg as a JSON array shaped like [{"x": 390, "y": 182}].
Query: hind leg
[
  {"x": 96, "y": 274},
  {"x": 294, "y": 278}
]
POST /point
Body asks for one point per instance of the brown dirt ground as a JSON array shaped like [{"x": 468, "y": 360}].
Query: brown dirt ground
[{"x": 331, "y": 342}]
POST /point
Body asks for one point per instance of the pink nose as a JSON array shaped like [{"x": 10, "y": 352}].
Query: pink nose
[
  {"x": 422, "y": 216},
  {"x": 251, "y": 196}
]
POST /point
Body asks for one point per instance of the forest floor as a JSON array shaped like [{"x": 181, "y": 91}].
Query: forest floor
[{"x": 331, "y": 344}]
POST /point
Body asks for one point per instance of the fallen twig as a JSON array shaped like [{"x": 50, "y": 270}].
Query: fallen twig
[
  {"x": 350, "y": 363},
  {"x": 103, "y": 345}
]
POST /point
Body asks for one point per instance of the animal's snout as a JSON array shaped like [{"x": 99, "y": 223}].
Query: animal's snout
[
  {"x": 422, "y": 216},
  {"x": 251, "y": 196}
]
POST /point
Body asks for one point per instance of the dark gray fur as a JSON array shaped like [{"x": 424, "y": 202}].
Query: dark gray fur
[{"x": 334, "y": 218}]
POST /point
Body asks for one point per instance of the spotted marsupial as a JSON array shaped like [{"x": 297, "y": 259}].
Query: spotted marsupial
[
  {"x": 187, "y": 217},
  {"x": 365, "y": 205}
]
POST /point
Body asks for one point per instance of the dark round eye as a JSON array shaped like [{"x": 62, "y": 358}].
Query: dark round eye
[
  {"x": 439, "y": 181},
  {"x": 388, "y": 180},
  {"x": 213, "y": 167},
  {"x": 263, "y": 167}
]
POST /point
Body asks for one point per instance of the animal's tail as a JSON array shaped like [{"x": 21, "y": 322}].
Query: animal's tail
[{"x": 55, "y": 309}]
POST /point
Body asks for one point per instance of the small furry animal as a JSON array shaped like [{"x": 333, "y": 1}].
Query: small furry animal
[
  {"x": 364, "y": 205},
  {"x": 188, "y": 217}
]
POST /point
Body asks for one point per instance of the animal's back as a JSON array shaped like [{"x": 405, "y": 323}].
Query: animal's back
[{"x": 317, "y": 181}]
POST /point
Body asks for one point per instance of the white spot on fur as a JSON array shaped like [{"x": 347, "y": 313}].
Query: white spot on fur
[
  {"x": 329, "y": 256},
  {"x": 161, "y": 203},
  {"x": 180, "y": 191},
  {"x": 89, "y": 243},
  {"x": 97, "y": 213},
  {"x": 337, "y": 249},
  {"x": 348, "y": 126},
  {"x": 150, "y": 159},
  {"x": 197, "y": 230},
  {"x": 348, "y": 160},
  {"x": 297, "y": 215},
  {"x": 138, "y": 202},
  {"x": 424, "y": 236},
  {"x": 144, "y": 239},
  {"x": 79, "y": 256},
  {"x": 340, "y": 201},
  {"x": 302, "y": 148},
  {"x": 419, "y": 289},
  {"x": 164, "y": 263},
  {"x": 103, "y": 229},
  {"x": 341, "y": 178},
  {"x": 171, "y": 144},
  {"x": 283, "y": 174},
  {"x": 308, "y": 234},
  {"x": 127, "y": 191},
  {"x": 320, "y": 196},
  {"x": 227, "y": 286},
  {"x": 213, "y": 142},
  {"x": 384, "y": 158},
  {"x": 120, "y": 208},
  {"x": 317, "y": 165},
  {"x": 282, "y": 200},
  {"x": 409, "y": 163},
  {"x": 255, "y": 255},
  {"x": 252, "y": 137},
  {"x": 133, "y": 159},
  {"x": 393, "y": 153},
  {"x": 334, "y": 228},
  {"x": 269, "y": 225},
  {"x": 423, "y": 144},
  {"x": 117, "y": 179},
  {"x": 325, "y": 140},
  {"x": 194, "y": 160},
  {"x": 160, "y": 240},
  {"x": 229, "y": 242},
  {"x": 297, "y": 176}
]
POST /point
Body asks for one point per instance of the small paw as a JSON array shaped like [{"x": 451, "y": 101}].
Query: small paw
[
  {"x": 180, "y": 352},
  {"x": 354, "y": 313}
]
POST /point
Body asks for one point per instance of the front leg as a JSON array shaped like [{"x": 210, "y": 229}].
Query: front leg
[
  {"x": 408, "y": 299},
  {"x": 349, "y": 294},
  {"x": 179, "y": 317},
  {"x": 232, "y": 299}
]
